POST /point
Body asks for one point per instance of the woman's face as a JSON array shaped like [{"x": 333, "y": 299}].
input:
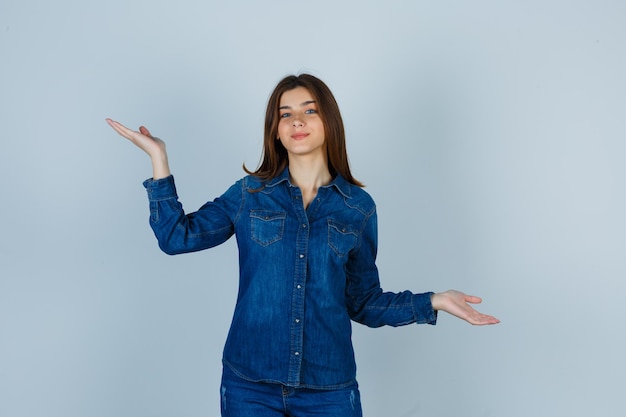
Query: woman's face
[{"x": 300, "y": 128}]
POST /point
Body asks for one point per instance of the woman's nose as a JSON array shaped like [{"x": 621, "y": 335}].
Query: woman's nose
[{"x": 297, "y": 122}]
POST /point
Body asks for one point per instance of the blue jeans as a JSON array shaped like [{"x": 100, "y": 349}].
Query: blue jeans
[{"x": 242, "y": 398}]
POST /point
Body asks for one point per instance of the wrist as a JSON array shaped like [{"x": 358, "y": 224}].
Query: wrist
[
  {"x": 435, "y": 301},
  {"x": 160, "y": 166}
]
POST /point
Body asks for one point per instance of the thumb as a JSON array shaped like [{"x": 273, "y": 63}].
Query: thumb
[
  {"x": 144, "y": 131},
  {"x": 473, "y": 299}
]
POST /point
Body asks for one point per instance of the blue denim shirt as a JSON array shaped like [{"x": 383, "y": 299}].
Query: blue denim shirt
[{"x": 303, "y": 275}]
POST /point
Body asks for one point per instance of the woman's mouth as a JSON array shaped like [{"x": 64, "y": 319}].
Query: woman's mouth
[{"x": 299, "y": 136}]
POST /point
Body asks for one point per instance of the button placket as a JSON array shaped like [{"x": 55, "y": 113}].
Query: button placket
[{"x": 299, "y": 292}]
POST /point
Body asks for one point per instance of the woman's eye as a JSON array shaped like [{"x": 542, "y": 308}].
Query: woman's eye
[
  {"x": 285, "y": 115},
  {"x": 311, "y": 111}
]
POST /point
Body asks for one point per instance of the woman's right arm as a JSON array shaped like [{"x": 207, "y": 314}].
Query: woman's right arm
[
  {"x": 176, "y": 231},
  {"x": 153, "y": 146}
]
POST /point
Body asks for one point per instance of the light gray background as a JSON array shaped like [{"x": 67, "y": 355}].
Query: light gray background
[{"x": 491, "y": 134}]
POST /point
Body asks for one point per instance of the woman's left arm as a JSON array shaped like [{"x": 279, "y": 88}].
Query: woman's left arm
[
  {"x": 369, "y": 305},
  {"x": 458, "y": 304}
]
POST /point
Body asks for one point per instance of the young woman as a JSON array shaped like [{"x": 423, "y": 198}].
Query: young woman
[{"x": 307, "y": 238}]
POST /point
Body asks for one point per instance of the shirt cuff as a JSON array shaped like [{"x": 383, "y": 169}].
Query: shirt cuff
[
  {"x": 161, "y": 189},
  {"x": 423, "y": 309}
]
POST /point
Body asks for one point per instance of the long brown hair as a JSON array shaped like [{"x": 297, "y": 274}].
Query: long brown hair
[{"x": 275, "y": 159}]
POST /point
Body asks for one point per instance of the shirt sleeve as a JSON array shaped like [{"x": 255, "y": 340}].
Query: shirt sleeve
[
  {"x": 367, "y": 303},
  {"x": 178, "y": 232}
]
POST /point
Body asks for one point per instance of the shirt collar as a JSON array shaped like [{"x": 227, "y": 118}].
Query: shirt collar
[{"x": 338, "y": 182}]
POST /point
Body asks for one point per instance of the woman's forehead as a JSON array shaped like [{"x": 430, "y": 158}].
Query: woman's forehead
[{"x": 296, "y": 97}]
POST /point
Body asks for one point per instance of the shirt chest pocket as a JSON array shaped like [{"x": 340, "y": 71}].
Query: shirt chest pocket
[
  {"x": 341, "y": 238},
  {"x": 266, "y": 227}
]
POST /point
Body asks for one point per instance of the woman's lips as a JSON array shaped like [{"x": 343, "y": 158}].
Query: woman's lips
[{"x": 299, "y": 136}]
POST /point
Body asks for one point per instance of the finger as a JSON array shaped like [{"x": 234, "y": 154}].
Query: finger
[
  {"x": 120, "y": 128},
  {"x": 129, "y": 134},
  {"x": 113, "y": 123},
  {"x": 484, "y": 319}
]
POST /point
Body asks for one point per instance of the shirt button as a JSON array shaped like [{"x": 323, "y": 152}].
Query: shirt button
[
  {"x": 297, "y": 353},
  {"x": 304, "y": 226},
  {"x": 297, "y": 320},
  {"x": 298, "y": 286},
  {"x": 301, "y": 256}
]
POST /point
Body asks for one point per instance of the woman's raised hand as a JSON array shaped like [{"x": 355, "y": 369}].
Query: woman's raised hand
[
  {"x": 456, "y": 303},
  {"x": 151, "y": 145},
  {"x": 142, "y": 138}
]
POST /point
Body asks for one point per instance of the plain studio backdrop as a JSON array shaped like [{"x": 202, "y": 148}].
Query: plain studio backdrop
[{"x": 491, "y": 134}]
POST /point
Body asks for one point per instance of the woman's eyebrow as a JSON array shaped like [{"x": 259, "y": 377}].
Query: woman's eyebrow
[{"x": 305, "y": 103}]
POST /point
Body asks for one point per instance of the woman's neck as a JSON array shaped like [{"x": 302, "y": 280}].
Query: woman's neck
[{"x": 309, "y": 175}]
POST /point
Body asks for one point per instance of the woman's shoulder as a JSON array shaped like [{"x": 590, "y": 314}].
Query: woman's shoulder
[
  {"x": 357, "y": 197},
  {"x": 248, "y": 182},
  {"x": 253, "y": 183}
]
